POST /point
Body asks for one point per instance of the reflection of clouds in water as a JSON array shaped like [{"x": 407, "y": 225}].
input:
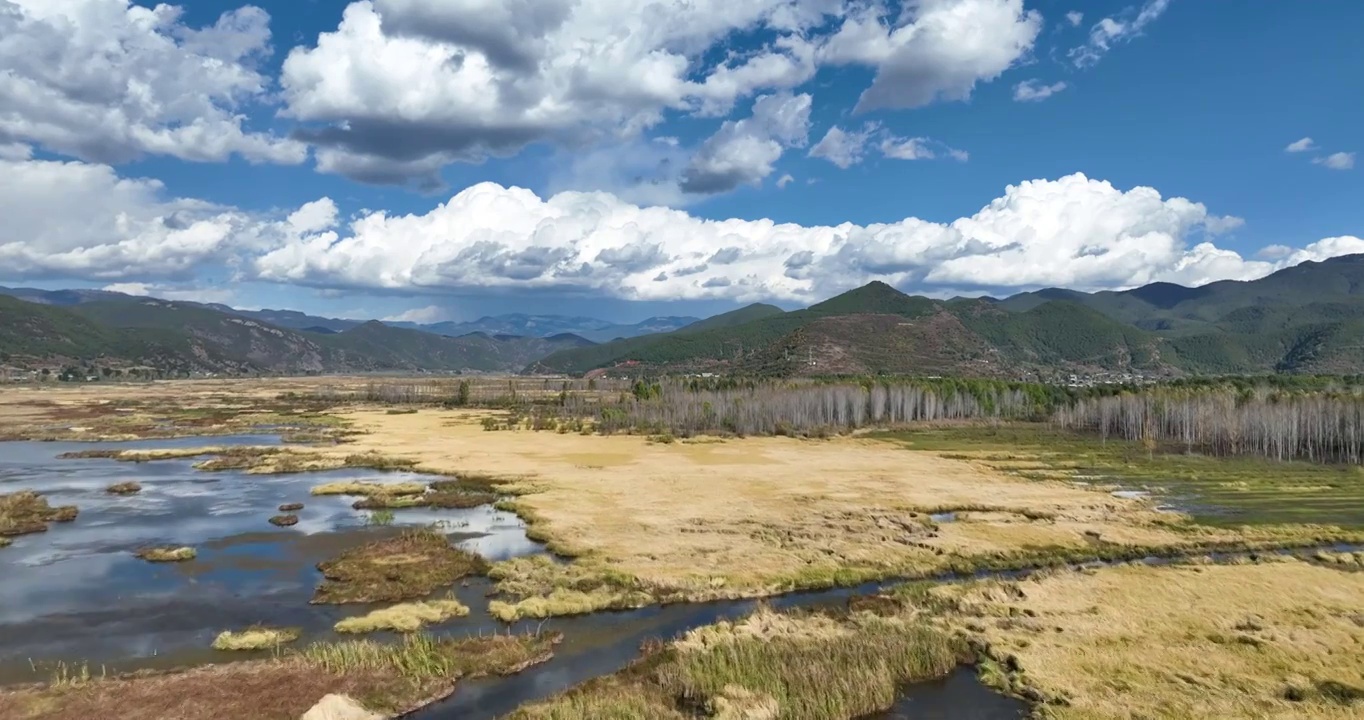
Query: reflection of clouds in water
[
  {"x": 82, "y": 582},
  {"x": 92, "y": 581}
]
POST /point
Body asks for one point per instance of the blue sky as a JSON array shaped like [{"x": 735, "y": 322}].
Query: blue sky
[{"x": 654, "y": 146}]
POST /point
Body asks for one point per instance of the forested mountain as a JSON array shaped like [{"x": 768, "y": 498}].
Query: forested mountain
[
  {"x": 1307, "y": 318},
  {"x": 172, "y": 338}
]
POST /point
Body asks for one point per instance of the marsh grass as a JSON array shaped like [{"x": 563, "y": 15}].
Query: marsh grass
[
  {"x": 256, "y": 637},
  {"x": 798, "y": 666},
  {"x": 5, "y": 542},
  {"x": 124, "y": 488},
  {"x": 377, "y": 461},
  {"x": 369, "y": 489},
  {"x": 380, "y": 518},
  {"x": 167, "y": 554},
  {"x": 459, "y": 500},
  {"x": 1205, "y": 640},
  {"x": 411, "y": 565},
  {"x": 386, "y": 501},
  {"x": 550, "y": 589},
  {"x": 387, "y": 678},
  {"x": 406, "y": 617},
  {"x": 284, "y": 520},
  {"x": 27, "y": 512},
  {"x": 474, "y": 483}
]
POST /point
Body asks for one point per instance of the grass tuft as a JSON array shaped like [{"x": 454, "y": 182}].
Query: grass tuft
[
  {"x": 167, "y": 554},
  {"x": 124, "y": 488},
  {"x": 256, "y": 637},
  {"x": 27, "y": 512},
  {"x": 404, "y": 618},
  {"x": 368, "y": 489}
]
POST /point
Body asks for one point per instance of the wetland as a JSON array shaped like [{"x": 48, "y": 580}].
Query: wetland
[{"x": 432, "y": 563}]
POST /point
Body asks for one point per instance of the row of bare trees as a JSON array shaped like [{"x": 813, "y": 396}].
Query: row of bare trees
[
  {"x": 1314, "y": 422},
  {"x": 1320, "y": 427},
  {"x": 806, "y": 408}
]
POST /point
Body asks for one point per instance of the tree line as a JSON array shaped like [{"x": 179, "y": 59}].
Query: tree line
[{"x": 1313, "y": 426}]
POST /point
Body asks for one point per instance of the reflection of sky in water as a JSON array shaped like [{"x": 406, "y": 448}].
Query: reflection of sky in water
[{"x": 78, "y": 588}]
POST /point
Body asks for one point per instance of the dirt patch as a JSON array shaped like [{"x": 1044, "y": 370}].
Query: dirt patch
[{"x": 411, "y": 565}]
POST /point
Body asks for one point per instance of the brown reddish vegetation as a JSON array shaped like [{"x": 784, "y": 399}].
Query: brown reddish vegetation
[
  {"x": 27, "y": 512},
  {"x": 284, "y": 520},
  {"x": 408, "y": 566},
  {"x": 290, "y": 507},
  {"x": 124, "y": 488},
  {"x": 391, "y": 679}
]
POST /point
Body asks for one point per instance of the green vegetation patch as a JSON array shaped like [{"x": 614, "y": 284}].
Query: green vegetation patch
[
  {"x": 405, "y": 617},
  {"x": 408, "y": 566},
  {"x": 27, "y": 512},
  {"x": 1221, "y": 491},
  {"x": 256, "y": 637},
  {"x": 167, "y": 554}
]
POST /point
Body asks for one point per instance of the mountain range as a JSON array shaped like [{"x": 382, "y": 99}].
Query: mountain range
[
  {"x": 177, "y": 338},
  {"x": 512, "y": 324},
  {"x": 1307, "y": 318}
]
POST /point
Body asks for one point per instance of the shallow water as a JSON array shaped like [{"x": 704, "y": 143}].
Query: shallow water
[{"x": 77, "y": 593}]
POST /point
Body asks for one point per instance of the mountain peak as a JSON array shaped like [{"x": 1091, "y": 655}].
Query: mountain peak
[{"x": 877, "y": 298}]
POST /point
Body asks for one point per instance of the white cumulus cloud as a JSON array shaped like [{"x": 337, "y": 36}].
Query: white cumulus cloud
[
  {"x": 1073, "y": 231},
  {"x": 934, "y": 50},
  {"x": 401, "y": 88},
  {"x": 109, "y": 81},
  {"x": 743, "y": 152},
  {"x": 79, "y": 220}
]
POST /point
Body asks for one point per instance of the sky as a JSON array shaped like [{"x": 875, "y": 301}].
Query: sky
[{"x": 430, "y": 160}]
